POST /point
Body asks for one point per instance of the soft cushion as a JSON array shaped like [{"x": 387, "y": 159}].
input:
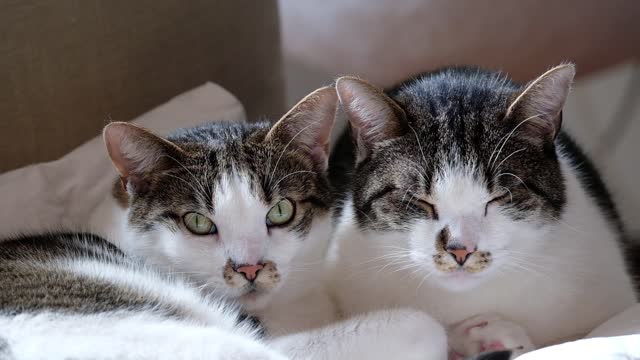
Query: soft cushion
[{"x": 61, "y": 194}]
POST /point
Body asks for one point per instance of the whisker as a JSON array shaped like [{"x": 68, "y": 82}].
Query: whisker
[
  {"x": 506, "y": 158},
  {"x": 515, "y": 176},
  {"x": 293, "y": 173},
  {"x": 187, "y": 170},
  {"x": 285, "y": 149},
  {"x": 509, "y": 191},
  {"x": 508, "y": 136},
  {"x": 419, "y": 145}
]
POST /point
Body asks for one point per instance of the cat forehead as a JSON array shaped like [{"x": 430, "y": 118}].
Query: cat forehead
[
  {"x": 456, "y": 189},
  {"x": 455, "y": 98},
  {"x": 456, "y": 88},
  {"x": 237, "y": 203},
  {"x": 456, "y": 118},
  {"x": 218, "y": 149}
]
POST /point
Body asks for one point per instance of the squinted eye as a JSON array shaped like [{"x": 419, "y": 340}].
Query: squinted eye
[
  {"x": 199, "y": 224},
  {"x": 281, "y": 213},
  {"x": 429, "y": 208},
  {"x": 497, "y": 200}
]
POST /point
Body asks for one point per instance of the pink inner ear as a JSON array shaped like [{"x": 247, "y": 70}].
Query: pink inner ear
[
  {"x": 308, "y": 124},
  {"x": 113, "y": 137},
  {"x": 320, "y": 155},
  {"x": 372, "y": 114}
]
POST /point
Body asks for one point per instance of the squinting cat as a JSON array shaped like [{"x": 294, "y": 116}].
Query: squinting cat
[
  {"x": 221, "y": 212},
  {"x": 466, "y": 197}
]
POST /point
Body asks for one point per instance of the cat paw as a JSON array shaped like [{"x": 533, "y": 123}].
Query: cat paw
[{"x": 488, "y": 334}]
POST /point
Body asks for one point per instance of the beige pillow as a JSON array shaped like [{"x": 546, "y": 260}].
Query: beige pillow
[{"x": 62, "y": 194}]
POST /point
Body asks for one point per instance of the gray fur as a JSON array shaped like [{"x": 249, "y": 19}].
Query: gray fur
[{"x": 35, "y": 279}]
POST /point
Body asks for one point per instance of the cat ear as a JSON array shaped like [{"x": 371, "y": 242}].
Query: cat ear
[
  {"x": 137, "y": 153},
  {"x": 308, "y": 125},
  {"x": 374, "y": 117},
  {"x": 538, "y": 107}
]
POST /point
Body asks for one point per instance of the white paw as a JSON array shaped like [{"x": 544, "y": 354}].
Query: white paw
[{"x": 488, "y": 333}]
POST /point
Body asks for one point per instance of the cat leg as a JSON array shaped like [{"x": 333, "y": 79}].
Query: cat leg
[
  {"x": 383, "y": 335},
  {"x": 487, "y": 334},
  {"x": 124, "y": 337}
]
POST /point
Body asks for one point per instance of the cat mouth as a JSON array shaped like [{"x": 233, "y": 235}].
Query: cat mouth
[
  {"x": 460, "y": 272},
  {"x": 475, "y": 264}
]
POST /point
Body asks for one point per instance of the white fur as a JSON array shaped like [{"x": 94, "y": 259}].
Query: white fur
[
  {"x": 125, "y": 336},
  {"x": 559, "y": 281},
  {"x": 389, "y": 334}
]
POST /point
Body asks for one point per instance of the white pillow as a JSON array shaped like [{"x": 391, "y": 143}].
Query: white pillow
[
  {"x": 617, "y": 338},
  {"x": 605, "y": 348},
  {"x": 62, "y": 194}
]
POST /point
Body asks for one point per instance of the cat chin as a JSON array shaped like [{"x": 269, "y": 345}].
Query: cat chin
[
  {"x": 255, "y": 300},
  {"x": 458, "y": 281}
]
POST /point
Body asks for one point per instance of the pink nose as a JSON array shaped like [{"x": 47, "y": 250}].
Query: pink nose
[
  {"x": 460, "y": 254},
  {"x": 250, "y": 272}
]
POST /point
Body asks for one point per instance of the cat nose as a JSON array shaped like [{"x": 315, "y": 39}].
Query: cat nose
[
  {"x": 459, "y": 253},
  {"x": 250, "y": 272}
]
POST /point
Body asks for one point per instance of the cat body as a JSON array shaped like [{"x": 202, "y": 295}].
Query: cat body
[
  {"x": 78, "y": 296},
  {"x": 467, "y": 198}
]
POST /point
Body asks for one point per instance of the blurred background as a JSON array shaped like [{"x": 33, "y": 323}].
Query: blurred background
[{"x": 67, "y": 67}]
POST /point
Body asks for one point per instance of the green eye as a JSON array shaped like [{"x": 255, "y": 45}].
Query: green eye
[
  {"x": 199, "y": 224},
  {"x": 281, "y": 213}
]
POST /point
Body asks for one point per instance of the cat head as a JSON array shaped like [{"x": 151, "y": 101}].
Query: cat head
[
  {"x": 230, "y": 205},
  {"x": 456, "y": 171}
]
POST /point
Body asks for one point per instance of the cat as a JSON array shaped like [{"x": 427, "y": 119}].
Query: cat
[
  {"x": 76, "y": 296},
  {"x": 464, "y": 196},
  {"x": 243, "y": 210},
  {"x": 214, "y": 214}
]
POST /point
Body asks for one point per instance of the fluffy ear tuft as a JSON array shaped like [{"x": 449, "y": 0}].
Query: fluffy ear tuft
[
  {"x": 373, "y": 116},
  {"x": 137, "y": 153},
  {"x": 540, "y": 104},
  {"x": 308, "y": 125}
]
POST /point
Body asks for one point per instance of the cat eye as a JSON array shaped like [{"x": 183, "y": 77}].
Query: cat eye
[
  {"x": 281, "y": 213},
  {"x": 496, "y": 200},
  {"x": 429, "y": 208},
  {"x": 199, "y": 224}
]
